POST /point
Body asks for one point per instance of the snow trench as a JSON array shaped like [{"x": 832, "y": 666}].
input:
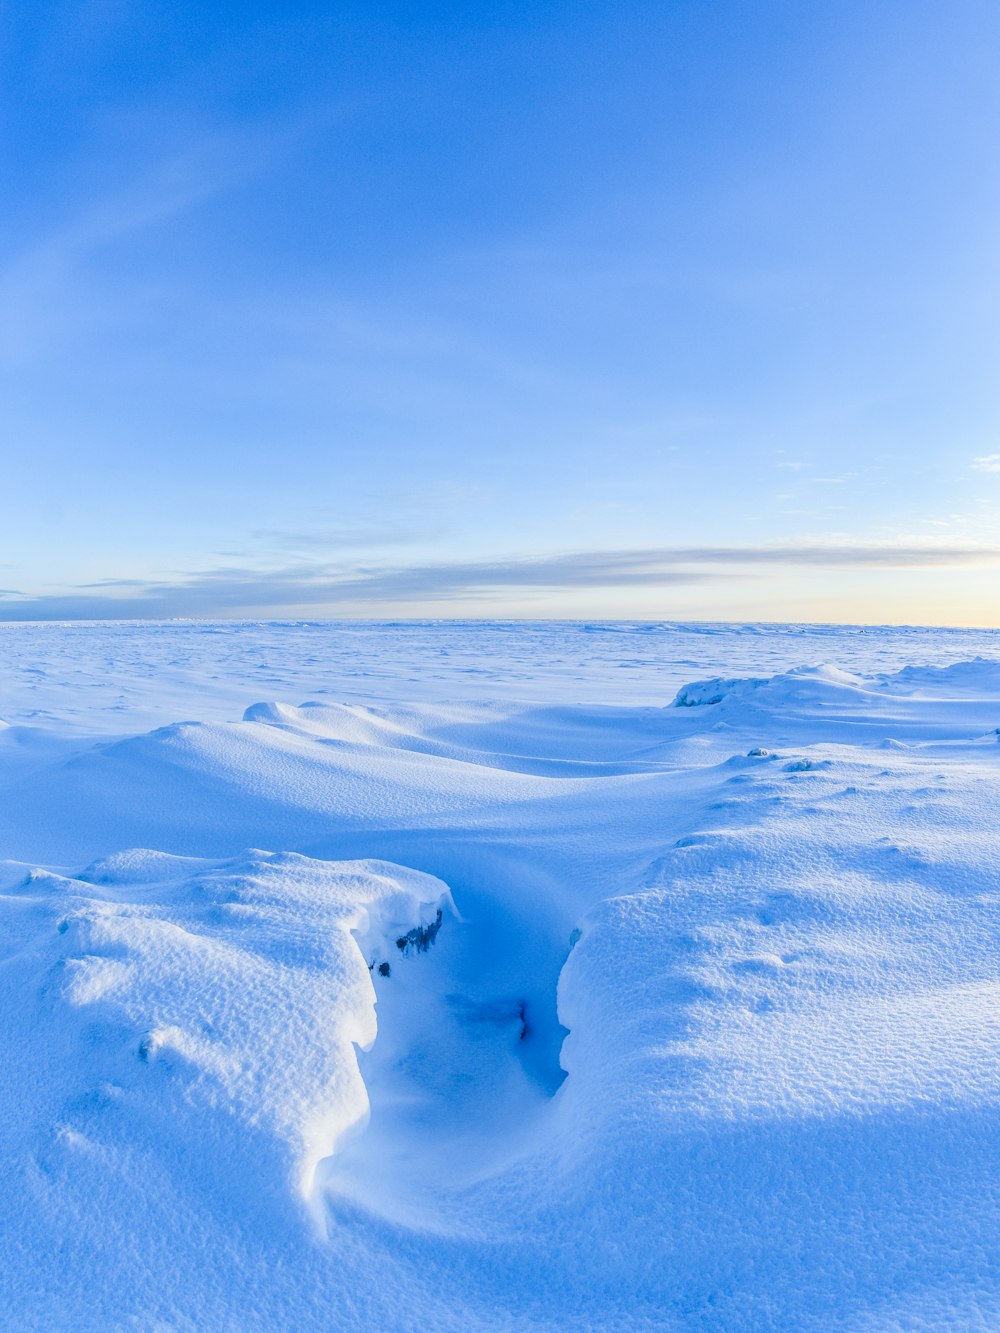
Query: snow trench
[
  {"x": 464, "y": 1066},
  {"x": 222, "y": 1014}
]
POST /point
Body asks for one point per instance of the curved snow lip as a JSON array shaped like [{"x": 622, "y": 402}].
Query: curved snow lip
[{"x": 385, "y": 936}]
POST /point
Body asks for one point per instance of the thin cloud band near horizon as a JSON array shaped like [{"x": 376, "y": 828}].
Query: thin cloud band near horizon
[{"x": 227, "y": 590}]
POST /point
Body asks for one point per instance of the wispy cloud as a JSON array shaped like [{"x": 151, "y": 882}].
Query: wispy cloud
[
  {"x": 344, "y": 537},
  {"x": 330, "y": 589},
  {"x": 987, "y": 463},
  {"x": 66, "y": 278}
]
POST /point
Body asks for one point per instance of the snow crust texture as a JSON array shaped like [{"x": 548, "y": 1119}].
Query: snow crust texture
[{"x": 535, "y": 1013}]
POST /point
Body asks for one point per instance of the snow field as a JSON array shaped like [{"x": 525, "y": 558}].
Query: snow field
[{"x": 704, "y": 1035}]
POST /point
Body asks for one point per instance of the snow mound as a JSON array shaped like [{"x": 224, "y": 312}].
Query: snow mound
[
  {"x": 789, "y": 1030},
  {"x": 209, "y": 1011},
  {"x": 802, "y": 685},
  {"x": 701, "y": 693},
  {"x": 979, "y": 675}
]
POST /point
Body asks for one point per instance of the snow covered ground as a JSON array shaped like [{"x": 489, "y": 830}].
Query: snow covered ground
[{"x": 495, "y": 976}]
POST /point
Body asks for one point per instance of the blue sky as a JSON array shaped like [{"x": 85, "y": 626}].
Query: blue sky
[{"x": 673, "y": 310}]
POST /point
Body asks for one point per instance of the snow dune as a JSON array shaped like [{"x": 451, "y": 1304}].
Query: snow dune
[{"x": 535, "y": 1012}]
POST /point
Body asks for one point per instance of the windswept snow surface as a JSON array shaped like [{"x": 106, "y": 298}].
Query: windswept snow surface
[{"x": 499, "y": 977}]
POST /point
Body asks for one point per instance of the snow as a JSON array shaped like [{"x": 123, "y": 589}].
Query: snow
[{"x": 499, "y": 977}]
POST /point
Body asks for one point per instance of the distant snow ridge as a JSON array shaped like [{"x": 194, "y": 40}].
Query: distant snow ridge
[
  {"x": 219, "y": 1002},
  {"x": 827, "y": 684}
]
